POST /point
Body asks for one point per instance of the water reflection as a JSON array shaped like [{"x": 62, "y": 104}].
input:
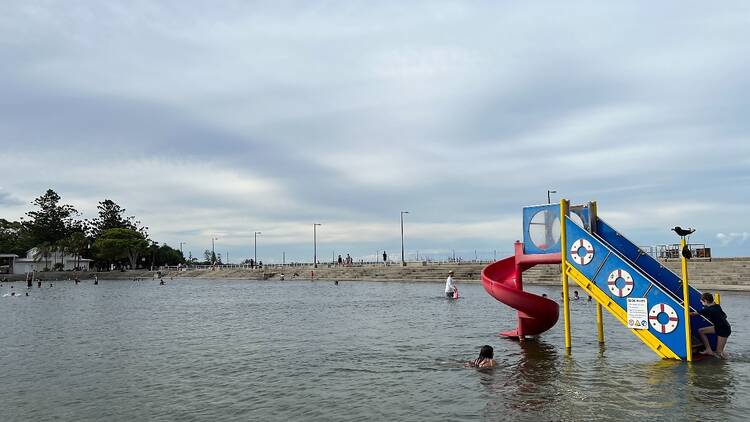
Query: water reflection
[{"x": 528, "y": 382}]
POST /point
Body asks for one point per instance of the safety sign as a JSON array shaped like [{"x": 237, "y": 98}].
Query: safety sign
[{"x": 637, "y": 313}]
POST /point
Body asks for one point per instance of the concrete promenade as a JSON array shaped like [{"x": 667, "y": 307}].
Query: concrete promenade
[{"x": 719, "y": 274}]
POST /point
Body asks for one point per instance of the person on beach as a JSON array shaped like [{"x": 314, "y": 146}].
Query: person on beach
[
  {"x": 485, "y": 359},
  {"x": 385, "y": 258},
  {"x": 713, "y": 312},
  {"x": 450, "y": 286}
]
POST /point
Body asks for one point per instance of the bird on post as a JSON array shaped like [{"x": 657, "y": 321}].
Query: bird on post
[
  {"x": 682, "y": 232},
  {"x": 686, "y": 252}
]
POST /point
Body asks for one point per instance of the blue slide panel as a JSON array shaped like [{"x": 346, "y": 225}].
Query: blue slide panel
[
  {"x": 604, "y": 261},
  {"x": 650, "y": 266},
  {"x": 528, "y": 214}
]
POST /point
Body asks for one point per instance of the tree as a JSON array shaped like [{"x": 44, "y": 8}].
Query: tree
[
  {"x": 112, "y": 216},
  {"x": 14, "y": 237},
  {"x": 52, "y": 222},
  {"x": 77, "y": 244},
  {"x": 118, "y": 243},
  {"x": 43, "y": 251}
]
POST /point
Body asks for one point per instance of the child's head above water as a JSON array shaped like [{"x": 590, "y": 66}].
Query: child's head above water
[{"x": 486, "y": 352}]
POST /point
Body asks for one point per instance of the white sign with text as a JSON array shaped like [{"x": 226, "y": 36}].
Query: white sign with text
[{"x": 637, "y": 313}]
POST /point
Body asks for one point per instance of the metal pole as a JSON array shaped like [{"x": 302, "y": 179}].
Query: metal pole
[
  {"x": 549, "y": 201},
  {"x": 686, "y": 304},
  {"x": 255, "y": 253},
  {"x": 599, "y": 317},
  {"x": 315, "y": 244},
  {"x": 403, "y": 262},
  {"x": 599, "y": 322},
  {"x": 564, "y": 265}
]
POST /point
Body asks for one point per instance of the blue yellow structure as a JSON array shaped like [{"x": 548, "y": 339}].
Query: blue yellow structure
[{"x": 612, "y": 269}]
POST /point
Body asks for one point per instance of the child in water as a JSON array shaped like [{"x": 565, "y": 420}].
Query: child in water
[
  {"x": 721, "y": 327},
  {"x": 485, "y": 359}
]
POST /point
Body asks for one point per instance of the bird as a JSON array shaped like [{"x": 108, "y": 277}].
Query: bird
[{"x": 682, "y": 232}]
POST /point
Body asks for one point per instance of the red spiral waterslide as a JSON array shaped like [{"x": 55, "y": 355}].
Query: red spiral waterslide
[{"x": 503, "y": 280}]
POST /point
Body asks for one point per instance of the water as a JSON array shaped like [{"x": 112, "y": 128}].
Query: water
[{"x": 276, "y": 351}]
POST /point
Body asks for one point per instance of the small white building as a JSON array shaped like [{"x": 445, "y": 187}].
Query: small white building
[
  {"x": 6, "y": 262},
  {"x": 34, "y": 261}
]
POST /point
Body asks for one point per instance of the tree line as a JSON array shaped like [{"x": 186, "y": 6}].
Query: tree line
[{"x": 112, "y": 239}]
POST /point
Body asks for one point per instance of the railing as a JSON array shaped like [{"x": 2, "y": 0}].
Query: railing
[{"x": 220, "y": 267}]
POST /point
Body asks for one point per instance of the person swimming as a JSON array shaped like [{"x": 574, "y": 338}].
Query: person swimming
[
  {"x": 161, "y": 282},
  {"x": 485, "y": 359}
]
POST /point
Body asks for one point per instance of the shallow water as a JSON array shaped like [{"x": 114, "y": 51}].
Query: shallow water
[{"x": 300, "y": 350}]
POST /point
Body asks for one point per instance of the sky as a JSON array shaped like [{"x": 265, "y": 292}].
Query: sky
[{"x": 219, "y": 119}]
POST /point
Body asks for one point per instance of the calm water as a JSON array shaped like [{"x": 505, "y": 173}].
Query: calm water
[{"x": 234, "y": 350}]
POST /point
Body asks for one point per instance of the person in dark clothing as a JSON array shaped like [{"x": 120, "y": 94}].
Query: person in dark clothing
[
  {"x": 721, "y": 327},
  {"x": 485, "y": 359}
]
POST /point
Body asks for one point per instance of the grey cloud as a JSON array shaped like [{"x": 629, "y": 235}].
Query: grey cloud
[{"x": 472, "y": 112}]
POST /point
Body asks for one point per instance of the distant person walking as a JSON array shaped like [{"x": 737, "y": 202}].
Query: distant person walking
[
  {"x": 450, "y": 286},
  {"x": 341, "y": 260},
  {"x": 385, "y": 258}
]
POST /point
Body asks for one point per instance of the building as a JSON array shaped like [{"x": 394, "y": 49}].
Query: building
[
  {"x": 6, "y": 262},
  {"x": 33, "y": 261}
]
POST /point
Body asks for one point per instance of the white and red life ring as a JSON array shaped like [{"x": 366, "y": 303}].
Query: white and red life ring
[
  {"x": 612, "y": 282},
  {"x": 653, "y": 318},
  {"x": 585, "y": 259}
]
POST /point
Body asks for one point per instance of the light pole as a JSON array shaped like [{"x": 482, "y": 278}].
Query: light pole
[
  {"x": 182, "y": 243},
  {"x": 255, "y": 253},
  {"x": 315, "y": 244},
  {"x": 213, "y": 250},
  {"x": 403, "y": 263},
  {"x": 549, "y": 200}
]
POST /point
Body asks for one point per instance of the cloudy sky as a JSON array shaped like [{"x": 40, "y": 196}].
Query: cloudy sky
[{"x": 224, "y": 118}]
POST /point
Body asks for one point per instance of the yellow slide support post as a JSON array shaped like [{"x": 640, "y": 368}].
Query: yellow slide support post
[
  {"x": 599, "y": 318},
  {"x": 686, "y": 304},
  {"x": 564, "y": 205}
]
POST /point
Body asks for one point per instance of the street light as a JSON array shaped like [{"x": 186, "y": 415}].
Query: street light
[
  {"x": 213, "y": 250},
  {"x": 255, "y": 254},
  {"x": 182, "y": 243},
  {"x": 549, "y": 200},
  {"x": 315, "y": 244},
  {"x": 403, "y": 263}
]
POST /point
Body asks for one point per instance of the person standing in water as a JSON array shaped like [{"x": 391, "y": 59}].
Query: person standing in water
[
  {"x": 713, "y": 312},
  {"x": 450, "y": 286}
]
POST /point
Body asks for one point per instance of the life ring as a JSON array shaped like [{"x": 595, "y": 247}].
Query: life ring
[
  {"x": 585, "y": 244},
  {"x": 653, "y": 318},
  {"x": 612, "y": 282}
]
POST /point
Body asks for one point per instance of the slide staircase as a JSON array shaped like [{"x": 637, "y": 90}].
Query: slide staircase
[{"x": 612, "y": 269}]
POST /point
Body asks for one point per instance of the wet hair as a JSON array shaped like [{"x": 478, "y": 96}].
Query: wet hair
[
  {"x": 708, "y": 297},
  {"x": 486, "y": 352}
]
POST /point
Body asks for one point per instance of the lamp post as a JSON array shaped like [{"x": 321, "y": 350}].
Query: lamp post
[
  {"x": 213, "y": 250},
  {"x": 549, "y": 200},
  {"x": 315, "y": 244},
  {"x": 403, "y": 262},
  {"x": 182, "y": 243},
  {"x": 255, "y": 253}
]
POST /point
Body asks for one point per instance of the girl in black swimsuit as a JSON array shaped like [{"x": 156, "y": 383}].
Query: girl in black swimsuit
[{"x": 721, "y": 327}]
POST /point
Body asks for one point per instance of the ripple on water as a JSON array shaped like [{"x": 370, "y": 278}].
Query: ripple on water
[{"x": 232, "y": 350}]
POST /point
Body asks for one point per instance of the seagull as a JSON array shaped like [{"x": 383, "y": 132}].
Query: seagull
[{"x": 682, "y": 232}]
